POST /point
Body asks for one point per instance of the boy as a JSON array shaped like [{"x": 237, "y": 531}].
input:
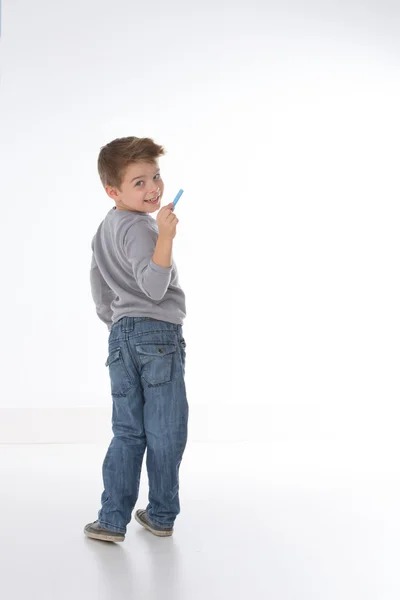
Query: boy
[{"x": 135, "y": 287}]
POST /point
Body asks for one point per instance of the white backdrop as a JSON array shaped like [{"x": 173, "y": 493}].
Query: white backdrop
[{"x": 281, "y": 122}]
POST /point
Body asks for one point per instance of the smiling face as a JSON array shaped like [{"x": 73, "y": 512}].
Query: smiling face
[{"x": 141, "y": 182}]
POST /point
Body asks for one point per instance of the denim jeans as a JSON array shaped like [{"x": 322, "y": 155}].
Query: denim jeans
[{"x": 146, "y": 362}]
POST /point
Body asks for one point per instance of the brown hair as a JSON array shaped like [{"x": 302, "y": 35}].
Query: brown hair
[{"x": 120, "y": 153}]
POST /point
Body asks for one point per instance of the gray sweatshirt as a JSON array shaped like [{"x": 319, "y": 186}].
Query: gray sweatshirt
[{"x": 124, "y": 279}]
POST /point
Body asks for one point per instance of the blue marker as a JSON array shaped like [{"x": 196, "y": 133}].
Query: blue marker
[{"x": 179, "y": 194}]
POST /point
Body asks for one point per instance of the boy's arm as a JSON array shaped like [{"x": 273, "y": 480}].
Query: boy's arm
[
  {"x": 102, "y": 294},
  {"x": 139, "y": 245}
]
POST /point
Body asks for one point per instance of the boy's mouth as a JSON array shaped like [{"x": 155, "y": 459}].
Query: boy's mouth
[{"x": 154, "y": 201}]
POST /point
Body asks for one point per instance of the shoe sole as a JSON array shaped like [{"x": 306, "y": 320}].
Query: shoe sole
[
  {"x": 104, "y": 537},
  {"x": 153, "y": 531}
]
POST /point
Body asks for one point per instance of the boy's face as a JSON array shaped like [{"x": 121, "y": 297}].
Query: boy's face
[{"x": 142, "y": 181}]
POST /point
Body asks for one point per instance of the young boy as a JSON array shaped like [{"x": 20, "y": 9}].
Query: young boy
[{"x": 135, "y": 287}]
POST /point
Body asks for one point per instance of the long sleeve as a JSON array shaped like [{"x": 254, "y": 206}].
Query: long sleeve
[
  {"x": 139, "y": 245},
  {"x": 102, "y": 294}
]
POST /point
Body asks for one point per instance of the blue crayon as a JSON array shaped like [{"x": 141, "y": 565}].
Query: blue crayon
[{"x": 179, "y": 194}]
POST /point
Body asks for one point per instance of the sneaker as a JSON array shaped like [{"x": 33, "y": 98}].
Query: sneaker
[
  {"x": 93, "y": 530},
  {"x": 141, "y": 517}
]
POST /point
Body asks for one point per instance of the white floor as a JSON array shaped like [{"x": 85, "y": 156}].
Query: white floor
[{"x": 282, "y": 520}]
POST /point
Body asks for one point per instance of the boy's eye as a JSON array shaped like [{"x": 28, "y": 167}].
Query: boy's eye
[{"x": 156, "y": 175}]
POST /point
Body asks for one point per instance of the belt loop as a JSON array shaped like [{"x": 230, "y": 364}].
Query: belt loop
[{"x": 128, "y": 324}]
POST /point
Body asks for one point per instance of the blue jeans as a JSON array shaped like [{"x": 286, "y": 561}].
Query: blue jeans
[{"x": 146, "y": 361}]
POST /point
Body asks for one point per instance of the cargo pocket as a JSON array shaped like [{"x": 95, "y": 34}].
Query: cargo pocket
[
  {"x": 156, "y": 361},
  {"x": 119, "y": 377}
]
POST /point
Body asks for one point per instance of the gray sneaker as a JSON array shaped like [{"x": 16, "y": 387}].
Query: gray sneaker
[
  {"x": 93, "y": 530},
  {"x": 142, "y": 517}
]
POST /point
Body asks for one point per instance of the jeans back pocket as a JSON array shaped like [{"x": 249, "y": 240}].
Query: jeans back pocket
[
  {"x": 156, "y": 361},
  {"x": 119, "y": 377}
]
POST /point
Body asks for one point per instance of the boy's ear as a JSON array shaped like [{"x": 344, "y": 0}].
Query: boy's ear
[{"x": 111, "y": 192}]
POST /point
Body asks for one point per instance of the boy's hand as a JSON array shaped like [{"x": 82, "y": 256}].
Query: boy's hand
[{"x": 167, "y": 222}]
